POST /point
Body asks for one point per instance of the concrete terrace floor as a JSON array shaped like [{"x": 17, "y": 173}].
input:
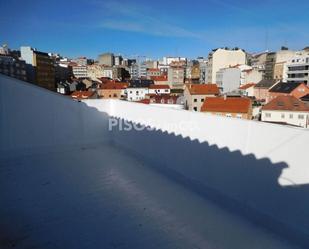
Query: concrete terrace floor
[{"x": 102, "y": 197}]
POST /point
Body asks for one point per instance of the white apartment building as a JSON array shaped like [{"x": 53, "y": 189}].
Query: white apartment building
[
  {"x": 168, "y": 60},
  {"x": 136, "y": 94},
  {"x": 224, "y": 58},
  {"x": 297, "y": 68},
  {"x": 80, "y": 71},
  {"x": 229, "y": 79},
  {"x": 108, "y": 73}
]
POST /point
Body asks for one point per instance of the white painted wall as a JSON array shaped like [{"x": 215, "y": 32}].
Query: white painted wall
[
  {"x": 33, "y": 119},
  {"x": 136, "y": 94},
  {"x": 159, "y": 91},
  {"x": 294, "y": 118}
]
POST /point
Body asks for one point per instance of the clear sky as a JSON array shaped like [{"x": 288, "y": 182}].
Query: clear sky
[{"x": 153, "y": 28}]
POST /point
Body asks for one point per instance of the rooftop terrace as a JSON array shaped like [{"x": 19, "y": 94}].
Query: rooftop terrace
[{"x": 194, "y": 181}]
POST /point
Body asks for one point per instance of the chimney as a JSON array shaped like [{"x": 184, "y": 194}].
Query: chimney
[{"x": 224, "y": 96}]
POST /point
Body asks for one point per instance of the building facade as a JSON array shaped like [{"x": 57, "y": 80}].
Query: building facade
[
  {"x": 286, "y": 110},
  {"x": 43, "y": 67},
  {"x": 195, "y": 95},
  {"x": 297, "y": 68},
  {"x": 224, "y": 58}
]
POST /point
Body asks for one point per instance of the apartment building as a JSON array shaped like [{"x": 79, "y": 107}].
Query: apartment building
[
  {"x": 297, "y": 68},
  {"x": 80, "y": 71},
  {"x": 41, "y": 68},
  {"x": 224, "y": 58},
  {"x": 13, "y": 67},
  {"x": 176, "y": 76},
  {"x": 95, "y": 71},
  {"x": 282, "y": 57},
  {"x": 107, "y": 59},
  {"x": 195, "y": 95}
]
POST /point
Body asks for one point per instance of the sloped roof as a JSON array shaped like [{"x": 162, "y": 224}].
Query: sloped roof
[
  {"x": 265, "y": 84},
  {"x": 159, "y": 78},
  {"x": 305, "y": 98},
  {"x": 203, "y": 89},
  {"x": 82, "y": 94},
  {"x": 230, "y": 105},
  {"x": 114, "y": 85},
  {"x": 159, "y": 87},
  {"x": 246, "y": 86},
  {"x": 283, "y": 87},
  {"x": 286, "y": 103}
]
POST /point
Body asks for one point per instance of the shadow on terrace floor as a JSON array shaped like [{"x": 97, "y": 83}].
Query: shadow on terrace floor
[{"x": 241, "y": 183}]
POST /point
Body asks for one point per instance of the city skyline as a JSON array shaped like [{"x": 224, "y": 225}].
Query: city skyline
[{"x": 155, "y": 29}]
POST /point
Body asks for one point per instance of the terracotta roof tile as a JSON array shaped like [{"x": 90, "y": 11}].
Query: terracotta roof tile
[
  {"x": 286, "y": 103},
  {"x": 159, "y": 78},
  {"x": 115, "y": 85},
  {"x": 229, "y": 105},
  {"x": 82, "y": 94},
  {"x": 159, "y": 87},
  {"x": 201, "y": 89},
  {"x": 246, "y": 86}
]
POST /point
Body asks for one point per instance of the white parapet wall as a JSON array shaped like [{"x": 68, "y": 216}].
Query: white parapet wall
[
  {"x": 275, "y": 142},
  {"x": 33, "y": 120}
]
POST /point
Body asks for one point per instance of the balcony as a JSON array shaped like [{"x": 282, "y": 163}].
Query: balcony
[{"x": 68, "y": 180}]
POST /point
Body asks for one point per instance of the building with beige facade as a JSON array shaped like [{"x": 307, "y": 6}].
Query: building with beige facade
[
  {"x": 195, "y": 95},
  {"x": 224, "y": 58},
  {"x": 95, "y": 71}
]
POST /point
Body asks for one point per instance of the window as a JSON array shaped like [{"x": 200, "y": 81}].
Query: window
[
  {"x": 301, "y": 116},
  {"x": 282, "y": 115},
  {"x": 268, "y": 115},
  {"x": 238, "y": 116},
  {"x": 229, "y": 115},
  {"x": 202, "y": 100},
  {"x": 291, "y": 115},
  {"x": 115, "y": 95},
  {"x": 195, "y": 100},
  {"x": 195, "y": 109}
]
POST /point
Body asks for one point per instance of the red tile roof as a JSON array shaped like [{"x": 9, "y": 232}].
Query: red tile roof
[
  {"x": 153, "y": 69},
  {"x": 159, "y": 78},
  {"x": 229, "y": 105},
  {"x": 144, "y": 101},
  {"x": 203, "y": 89},
  {"x": 246, "y": 86},
  {"x": 159, "y": 87},
  {"x": 82, "y": 94},
  {"x": 115, "y": 85},
  {"x": 159, "y": 99},
  {"x": 286, "y": 103}
]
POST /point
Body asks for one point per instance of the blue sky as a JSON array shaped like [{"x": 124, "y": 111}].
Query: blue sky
[{"x": 153, "y": 28}]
